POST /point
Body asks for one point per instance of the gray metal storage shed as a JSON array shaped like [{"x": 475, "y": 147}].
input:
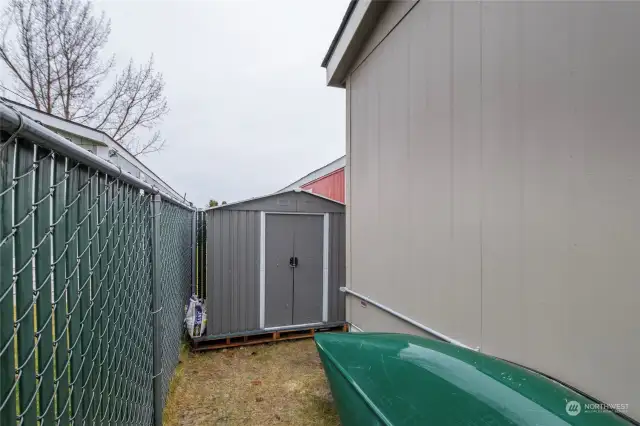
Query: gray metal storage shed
[{"x": 275, "y": 262}]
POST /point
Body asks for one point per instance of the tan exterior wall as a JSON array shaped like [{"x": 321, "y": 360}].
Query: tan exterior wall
[{"x": 493, "y": 184}]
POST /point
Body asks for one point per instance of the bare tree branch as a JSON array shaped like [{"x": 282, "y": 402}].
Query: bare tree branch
[{"x": 53, "y": 50}]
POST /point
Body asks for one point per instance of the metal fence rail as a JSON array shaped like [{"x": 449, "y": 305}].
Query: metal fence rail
[{"x": 95, "y": 270}]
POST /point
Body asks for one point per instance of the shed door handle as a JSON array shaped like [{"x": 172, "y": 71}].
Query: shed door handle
[
  {"x": 291, "y": 262},
  {"x": 295, "y": 261}
]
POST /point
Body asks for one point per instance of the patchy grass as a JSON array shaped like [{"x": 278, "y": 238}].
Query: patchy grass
[{"x": 273, "y": 384}]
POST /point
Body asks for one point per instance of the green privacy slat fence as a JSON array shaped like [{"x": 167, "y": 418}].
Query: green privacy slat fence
[
  {"x": 175, "y": 266},
  {"x": 83, "y": 252}
]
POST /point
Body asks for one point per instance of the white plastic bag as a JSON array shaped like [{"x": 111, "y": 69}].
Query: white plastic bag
[{"x": 196, "y": 319}]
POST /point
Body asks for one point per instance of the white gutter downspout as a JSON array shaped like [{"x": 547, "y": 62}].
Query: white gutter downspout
[{"x": 407, "y": 319}]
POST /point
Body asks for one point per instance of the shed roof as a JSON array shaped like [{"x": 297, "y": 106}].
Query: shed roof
[{"x": 275, "y": 195}]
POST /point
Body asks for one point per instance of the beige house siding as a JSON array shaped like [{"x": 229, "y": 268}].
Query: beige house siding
[{"x": 493, "y": 187}]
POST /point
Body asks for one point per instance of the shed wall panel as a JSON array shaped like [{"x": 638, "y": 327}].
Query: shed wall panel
[
  {"x": 233, "y": 261},
  {"x": 336, "y": 266},
  {"x": 410, "y": 148},
  {"x": 513, "y": 127}
]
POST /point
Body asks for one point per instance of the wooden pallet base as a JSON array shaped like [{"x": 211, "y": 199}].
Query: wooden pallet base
[{"x": 266, "y": 337}]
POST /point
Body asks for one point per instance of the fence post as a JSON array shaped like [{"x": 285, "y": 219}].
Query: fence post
[
  {"x": 194, "y": 244},
  {"x": 156, "y": 308}
]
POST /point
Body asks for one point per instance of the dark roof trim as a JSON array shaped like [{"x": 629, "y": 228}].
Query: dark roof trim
[{"x": 336, "y": 38}]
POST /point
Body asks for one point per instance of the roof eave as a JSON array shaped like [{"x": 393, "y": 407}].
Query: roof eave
[
  {"x": 296, "y": 190},
  {"x": 357, "y": 23}
]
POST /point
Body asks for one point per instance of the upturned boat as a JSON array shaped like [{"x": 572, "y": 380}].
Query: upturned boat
[{"x": 398, "y": 379}]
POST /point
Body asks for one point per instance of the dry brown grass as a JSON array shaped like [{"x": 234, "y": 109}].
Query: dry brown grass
[{"x": 273, "y": 384}]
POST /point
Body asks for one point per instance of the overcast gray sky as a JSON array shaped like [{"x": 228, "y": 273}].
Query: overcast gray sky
[{"x": 250, "y": 110}]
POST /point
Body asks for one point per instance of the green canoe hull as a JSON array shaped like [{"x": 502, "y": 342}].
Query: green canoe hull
[{"x": 398, "y": 379}]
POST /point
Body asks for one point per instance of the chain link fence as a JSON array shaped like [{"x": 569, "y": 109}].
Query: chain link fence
[
  {"x": 175, "y": 266},
  {"x": 95, "y": 271}
]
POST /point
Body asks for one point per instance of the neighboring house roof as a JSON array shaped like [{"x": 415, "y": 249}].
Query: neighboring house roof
[
  {"x": 318, "y": 173},
  {"x": 50, "y": 120},
  {"x": 297, "y": 190},
  {"x": 94, "y": 137},
  {"x": 358, "y": 21}
]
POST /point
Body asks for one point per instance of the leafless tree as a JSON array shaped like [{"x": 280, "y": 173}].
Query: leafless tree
[{"x": 53, "y": 49}]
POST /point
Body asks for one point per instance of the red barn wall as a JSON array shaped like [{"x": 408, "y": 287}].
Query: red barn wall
[{"x": 330, "y": 186}]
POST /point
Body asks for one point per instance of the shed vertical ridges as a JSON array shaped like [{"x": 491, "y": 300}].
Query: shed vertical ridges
[{"x": 233, "y": 258}]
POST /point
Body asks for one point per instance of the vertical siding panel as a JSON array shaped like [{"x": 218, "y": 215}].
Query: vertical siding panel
[
  {"x": 220, "y": 270},
  {"x": 334, "y": 265},
  {"x": 232, "y": 272},
  {"x": 256, "y": 269},
  {"x": 209, "y": 266},
  {"x": 250, "y": 259},
  {"x": 216, "y": 274},
  {"x": 242, "y": 271},
  {"x": 226, "y": 272},
  {"x": 502, "y": 210},
  {"x": 466, "y": 172},
  {"x": 211, "y": 278},
  {"x": 337, "y": 271}
]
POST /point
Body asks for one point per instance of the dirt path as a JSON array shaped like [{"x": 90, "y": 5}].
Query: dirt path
[{"x": 272, "y": 384}]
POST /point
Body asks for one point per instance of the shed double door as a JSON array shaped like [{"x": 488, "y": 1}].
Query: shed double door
[{"x": 293, "y": 269}]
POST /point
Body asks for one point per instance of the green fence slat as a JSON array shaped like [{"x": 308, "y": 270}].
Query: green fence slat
[
  {"x": 112, "y": 206},
  {"x": 146, "y": 286},
  {"x": 101, "y": 333},
  {"x": 77, "y": 274},
  {"x": 94, "y": 253},
  {"x": 71, "y": 257},
  {"x": 7, "y": 354},
  {"x": 26, "y": 366},
  {"x": 138, "y": 292},
  {"x": 59, "y": 289},
  {"x": 127, "y": 300},
  {"x": 84, "y": 287},
  {"x": 133, "y": 350},
  {"x": 120, "y": 304},
  {"x": 44, "y": 313}
]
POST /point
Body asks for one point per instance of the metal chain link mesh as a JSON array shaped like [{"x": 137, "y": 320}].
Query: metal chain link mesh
[
  {"x": 175, "y": 267},
  {"x": 76, "y": 337}
]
